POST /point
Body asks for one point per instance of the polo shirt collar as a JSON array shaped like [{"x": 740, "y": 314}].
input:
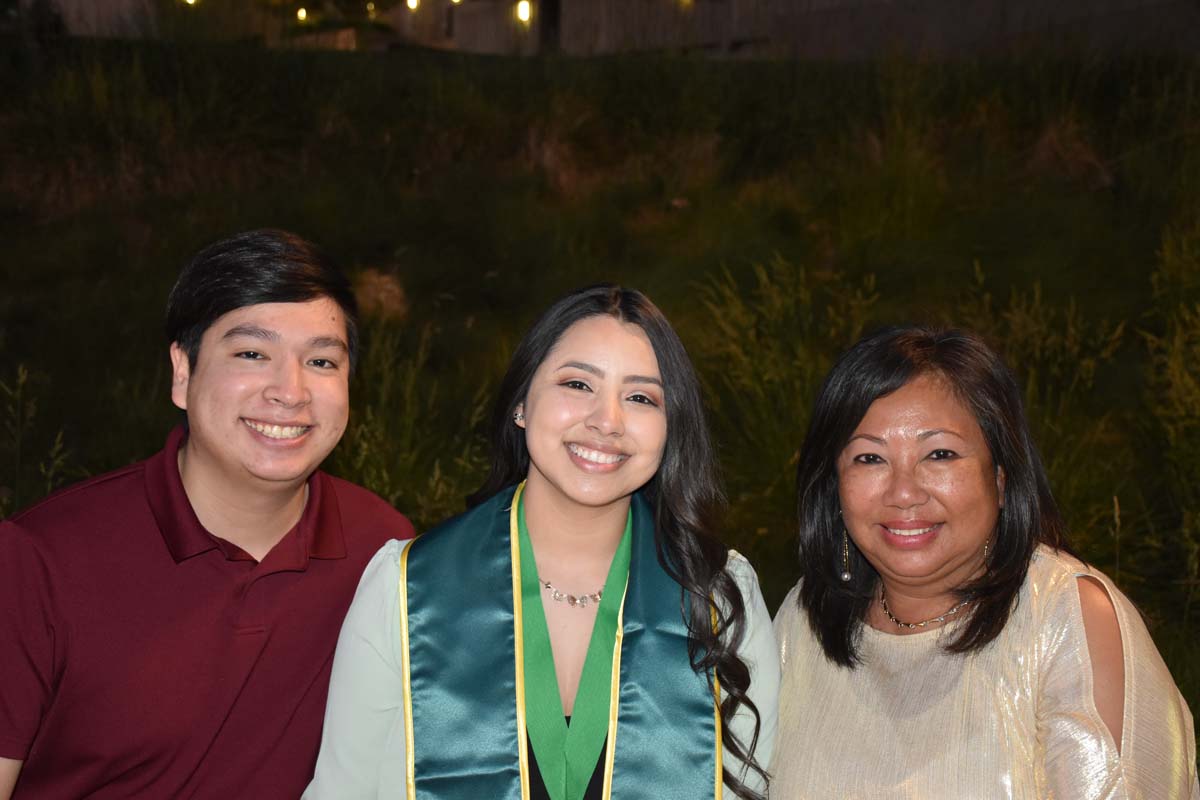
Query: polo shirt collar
[{"x": 318, "y": 534}]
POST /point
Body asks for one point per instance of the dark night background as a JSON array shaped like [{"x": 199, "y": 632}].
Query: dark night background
[{"x": 778, "y": 176}]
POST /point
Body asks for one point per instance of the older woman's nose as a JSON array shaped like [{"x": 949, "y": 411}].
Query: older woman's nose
[{"x": 904, "y": 489}]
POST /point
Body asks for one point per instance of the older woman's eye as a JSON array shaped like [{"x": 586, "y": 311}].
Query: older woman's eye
[
  {"x": 943, "y": 455},
  {"x": 867, "y": 458}
]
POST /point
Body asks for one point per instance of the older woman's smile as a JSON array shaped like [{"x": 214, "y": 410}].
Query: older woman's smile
[{"x": 916, "y": 533}]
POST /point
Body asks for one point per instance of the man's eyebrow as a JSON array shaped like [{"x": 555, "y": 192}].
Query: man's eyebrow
[
  {"x": 329, "y": 341},
  {"x": 252, "y": 331}
]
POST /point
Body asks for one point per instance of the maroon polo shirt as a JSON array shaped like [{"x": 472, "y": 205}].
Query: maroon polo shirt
[{"x": 141, "y": 656}]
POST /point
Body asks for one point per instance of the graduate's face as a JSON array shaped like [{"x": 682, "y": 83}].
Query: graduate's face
[{"x": 595, "y": 415}]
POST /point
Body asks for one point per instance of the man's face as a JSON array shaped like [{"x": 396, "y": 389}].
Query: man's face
[{"x": 269, "y": 395}]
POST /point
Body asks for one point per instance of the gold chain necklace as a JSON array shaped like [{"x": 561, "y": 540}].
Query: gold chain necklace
[{"x": 912, "y": 625}]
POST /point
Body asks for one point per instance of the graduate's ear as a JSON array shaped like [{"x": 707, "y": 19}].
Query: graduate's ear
[
  {"x": 519, "y": 415},
  {"x": 181, "y": 372}
]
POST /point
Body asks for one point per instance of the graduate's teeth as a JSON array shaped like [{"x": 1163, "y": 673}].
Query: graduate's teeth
[
  {"x": 595, "y": 456},
  {"x": 911, "y": 531},
  {"x": 277, "y": 431}
]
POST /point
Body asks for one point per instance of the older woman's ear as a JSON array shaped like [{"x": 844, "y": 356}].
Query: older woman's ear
[{"x": 1000, "y": 479}]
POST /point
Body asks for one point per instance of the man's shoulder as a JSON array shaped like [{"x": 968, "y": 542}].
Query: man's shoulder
[
  {"x": 365, "y": 512},
  {"x": 112, "y": 491}
]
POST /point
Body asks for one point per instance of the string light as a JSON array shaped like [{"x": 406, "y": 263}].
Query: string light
[
  {"x": 370, "y": 10},
  {"x": 412, "y": 4},
  {"x": 302, "y": 14},
  {"x": 190, "y": 2},
  {"x": 524, "y": 11}
]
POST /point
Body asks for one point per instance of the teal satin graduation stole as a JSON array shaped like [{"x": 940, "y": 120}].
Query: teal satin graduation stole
[{"x": 464, "y": 683}]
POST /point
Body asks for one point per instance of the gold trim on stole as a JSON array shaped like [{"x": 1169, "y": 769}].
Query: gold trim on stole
[
  {"x": 614, "y": 696},
  {"x": 410, "y": 777},
  {"x": 719, "y": 791},
  {"x": 519, "y": 639}
]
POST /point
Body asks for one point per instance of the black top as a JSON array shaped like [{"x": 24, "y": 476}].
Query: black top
[{"x": 537, "y": 787}]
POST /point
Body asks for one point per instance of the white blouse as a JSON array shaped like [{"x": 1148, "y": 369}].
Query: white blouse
[
  {"x": 1015, "y": 720},
  {"x": 362, "y": 745}
]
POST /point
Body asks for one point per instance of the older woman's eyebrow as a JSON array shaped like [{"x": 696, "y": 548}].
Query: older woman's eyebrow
[
  {"x": 868, "y": 437},
  {"x": 252, "y": 331},
  {"x": 599, "y": 373},
  {"x": 926, "y": 434}
]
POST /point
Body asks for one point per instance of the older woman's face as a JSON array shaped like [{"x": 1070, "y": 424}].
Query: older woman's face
[{"x": 920, "y": 494}]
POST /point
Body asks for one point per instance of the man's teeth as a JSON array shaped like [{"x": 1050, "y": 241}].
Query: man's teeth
[
  {"x": 911, "y": 531},
  {"x": 278, "y": 431},
  {"x": 595, "y": 456}
]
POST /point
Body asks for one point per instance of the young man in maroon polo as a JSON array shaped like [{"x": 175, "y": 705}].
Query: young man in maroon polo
[{"x": 167, "y": 630}]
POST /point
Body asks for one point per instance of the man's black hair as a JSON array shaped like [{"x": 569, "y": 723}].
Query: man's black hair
[{"x": 262, "y": 266}]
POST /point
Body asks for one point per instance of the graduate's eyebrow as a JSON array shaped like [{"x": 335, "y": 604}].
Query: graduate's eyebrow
[{"x": 599, "y": 373}]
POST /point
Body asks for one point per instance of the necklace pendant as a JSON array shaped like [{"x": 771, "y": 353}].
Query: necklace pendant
[{"x": 580, "y": 601}]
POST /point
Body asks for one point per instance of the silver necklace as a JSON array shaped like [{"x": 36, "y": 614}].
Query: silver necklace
[
  {"x": 911, "y": 625},
  {"x": 581, "y": 601}
]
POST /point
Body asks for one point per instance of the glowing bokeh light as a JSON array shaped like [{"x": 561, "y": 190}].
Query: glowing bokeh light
[
  {"x": 302, "y": 14},
  {"x": 524, "y": 11}
]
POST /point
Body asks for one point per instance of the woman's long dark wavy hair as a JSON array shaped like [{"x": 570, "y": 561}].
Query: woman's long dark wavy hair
[
  {"x": 876, "y": 366},
  {"x": 685, "y": 492}
]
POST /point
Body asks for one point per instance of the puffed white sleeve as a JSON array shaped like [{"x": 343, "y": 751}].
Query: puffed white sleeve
[
  {"x": 759, "y": 652},
  {"x": 1157, "y": 755},
  {"x": 362, "y": 744}
]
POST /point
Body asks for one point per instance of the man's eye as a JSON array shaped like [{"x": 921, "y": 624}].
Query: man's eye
[
  {"x": 323, "y": 363},
  {"x": 249, "y": 354}
]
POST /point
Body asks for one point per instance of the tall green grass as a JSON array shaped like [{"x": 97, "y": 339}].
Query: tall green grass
[{"x": 776, "y": 210}]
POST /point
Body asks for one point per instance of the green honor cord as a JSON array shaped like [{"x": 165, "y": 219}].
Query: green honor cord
[{"x": 567, "y": 755}]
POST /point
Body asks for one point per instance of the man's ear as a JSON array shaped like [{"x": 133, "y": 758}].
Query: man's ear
[{"x": 181, "y": 371}]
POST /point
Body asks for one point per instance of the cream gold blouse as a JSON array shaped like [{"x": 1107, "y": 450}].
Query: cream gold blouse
[{"x": 1016, "y": 720}]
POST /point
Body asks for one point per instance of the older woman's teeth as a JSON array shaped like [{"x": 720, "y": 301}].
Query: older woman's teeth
[
  {"x": 911, "y": 531},
  {"x": 278, "y": 431},
  {"x": 595, "y": 456}
]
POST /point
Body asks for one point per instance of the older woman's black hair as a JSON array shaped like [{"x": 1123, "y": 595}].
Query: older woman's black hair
[
  {"x": 876, "y": 366},
  {"x": 262, "y": 266},
  {"x": 685, "y": 493}
]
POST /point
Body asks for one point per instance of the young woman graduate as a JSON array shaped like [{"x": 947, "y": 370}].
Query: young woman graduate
[{"x": 581, "y": 632}]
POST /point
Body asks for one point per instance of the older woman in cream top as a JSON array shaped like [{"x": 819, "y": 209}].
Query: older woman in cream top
[{"x": 942, "y": 641}]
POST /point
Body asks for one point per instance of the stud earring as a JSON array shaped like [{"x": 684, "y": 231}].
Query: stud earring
[
  {"x": 846, "y": 576},
  {"x": 518, "y": 416}
]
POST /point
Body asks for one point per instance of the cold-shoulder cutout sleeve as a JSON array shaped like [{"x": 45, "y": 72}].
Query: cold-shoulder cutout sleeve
[
  {"x": 362, "y": 745},
  {"x": 759, "y": 652},
  {"x": 1092, "y": 636},
  {"x": 1105, "y": 653}
]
